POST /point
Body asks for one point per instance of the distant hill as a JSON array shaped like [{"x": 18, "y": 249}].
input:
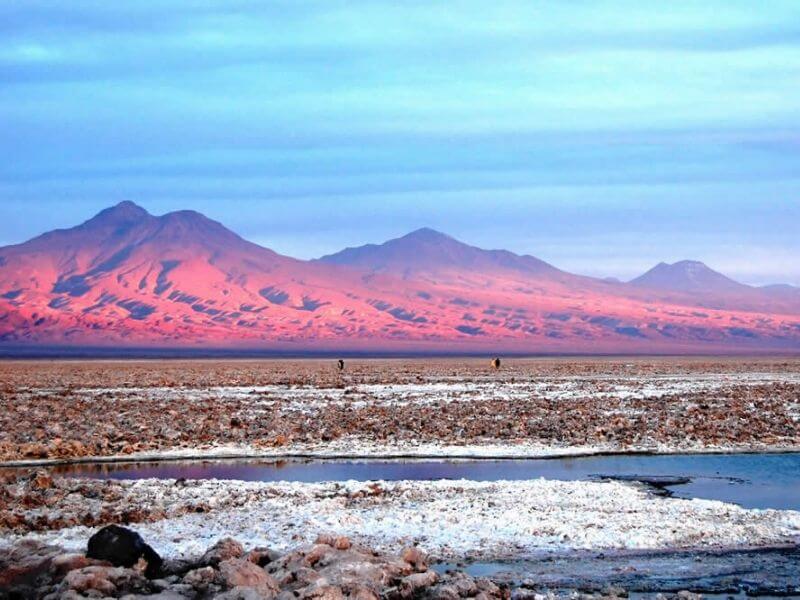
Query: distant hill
[
  {"x": 694, "y": 281},
  {"x": 688, "y": 276}
]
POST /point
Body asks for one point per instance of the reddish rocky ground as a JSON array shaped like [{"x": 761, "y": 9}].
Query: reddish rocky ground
[
  {"x": 64, "y": 410},
  {"x": 331, "y": 569}
]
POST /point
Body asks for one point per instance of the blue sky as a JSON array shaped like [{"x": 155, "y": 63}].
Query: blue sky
[{"x": 600, "y": 136}]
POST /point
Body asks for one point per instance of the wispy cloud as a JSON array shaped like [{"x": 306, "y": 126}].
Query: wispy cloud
[{"x": 431, "y": 110}]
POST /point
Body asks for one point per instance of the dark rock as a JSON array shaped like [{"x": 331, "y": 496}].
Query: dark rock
[
  {"x": 123, "y": 547},
  {"x": 173, "y": 567}
]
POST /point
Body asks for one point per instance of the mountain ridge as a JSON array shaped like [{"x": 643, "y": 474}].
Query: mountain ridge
[
  {"x": 131, "y": 278},
  {"x": 430, "y": 251}
]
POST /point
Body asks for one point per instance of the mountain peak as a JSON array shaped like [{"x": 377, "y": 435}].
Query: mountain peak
[
  {"x": 120, "y": 218},
  {"x": 191, "y": 220},
  {"x": 189, "y": 228},
  {"x": 187, "y": 217},
  {"x": 426, "y": 234},
  {"x": 685, "y": 266},
  {"x": 689, "y": 264},
  {"x": 123, "y": 211},
  {"x": 687, "y": 276},
  {"x": 433, "y": 252}
]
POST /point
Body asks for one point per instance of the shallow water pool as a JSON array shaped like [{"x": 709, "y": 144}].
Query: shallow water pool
[{"x": 750, "y": 480}]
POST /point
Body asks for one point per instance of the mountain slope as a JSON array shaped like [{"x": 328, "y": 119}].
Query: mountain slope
[
  {"x": 129, "y": 278},
  {"x": 183, "y": 277}
]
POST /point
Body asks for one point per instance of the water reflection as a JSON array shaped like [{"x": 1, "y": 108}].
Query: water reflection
[{"x": 751, "y": 480}]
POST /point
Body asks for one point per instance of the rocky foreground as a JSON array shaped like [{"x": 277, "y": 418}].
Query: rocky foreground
[
  {"x": 284, "y": 552},
  {"x": 330, "y": 569},
  {"x": 49, "y": 410},
  {"x": 45, "y": 523},
  {"x": 119, "y": 564}
]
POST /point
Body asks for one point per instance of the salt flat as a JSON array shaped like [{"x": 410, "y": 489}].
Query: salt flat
[
  {"x": 64, "y": 411},
  {"x": 449, "y": 519},
  {"x": 416, "y": 407}
]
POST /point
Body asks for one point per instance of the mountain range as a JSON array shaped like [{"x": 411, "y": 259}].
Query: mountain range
[{"x": 126, "y": 278}]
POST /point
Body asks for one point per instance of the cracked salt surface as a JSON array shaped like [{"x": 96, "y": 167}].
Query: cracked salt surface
[
  {"x": 306, "y": 398},
  {"x": 452, "y": 520}
]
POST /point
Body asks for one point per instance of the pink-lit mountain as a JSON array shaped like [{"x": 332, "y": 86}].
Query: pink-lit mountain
[
  {"x": 126, "y": 278},
  {"x": 429, "y": 253},
  {"x": 698, "y": 282},
  {"x": 689, "y": 276}
]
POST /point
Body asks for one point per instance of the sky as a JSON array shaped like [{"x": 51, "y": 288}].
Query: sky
[{"x": 601, "y": 136}]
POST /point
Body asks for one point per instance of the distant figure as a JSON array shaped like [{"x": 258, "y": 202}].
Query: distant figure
[
  {"x": 496, "y": 363},
  {"x": 340, "y": 364}
]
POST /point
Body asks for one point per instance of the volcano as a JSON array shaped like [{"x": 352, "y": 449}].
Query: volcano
[
  {"x": 688, "y": 276},
  {"x": 426, "y": 252},
  {"x": 130, "y": 279},
  {"x": 691, "y": 280}
]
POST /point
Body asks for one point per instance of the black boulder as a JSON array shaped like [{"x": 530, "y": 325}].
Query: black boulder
[{"x": 123, "y": 548}]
